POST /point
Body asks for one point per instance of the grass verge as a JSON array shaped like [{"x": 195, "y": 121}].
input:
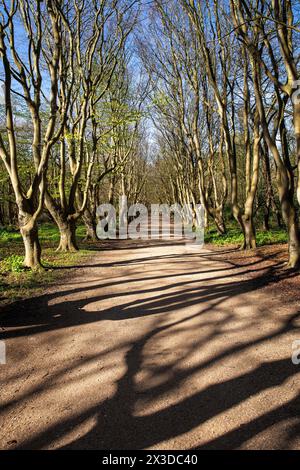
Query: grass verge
[
  {"x": 234, "y": 237},
  {"x": 16, "y": 282}
]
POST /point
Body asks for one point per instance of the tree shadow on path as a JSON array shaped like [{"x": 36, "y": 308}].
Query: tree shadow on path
[{"x": 118, "y": 425}]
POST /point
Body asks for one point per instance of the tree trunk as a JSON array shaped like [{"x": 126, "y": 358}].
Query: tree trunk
[
  {"x": 32, "y": 245},
  {"x": 291, "y": 220},
  {"x": 285, "y": 188},
  {"x": 297, "y": 136},
  {"x": 294, "y": 248},
  {"x": 278, "y": 217},
  {"x": 67, "y": 230},
  {"x": 219, "y": 220},
  {"x": 267, "y": 218},
  {"x": 11, "y": 208},
  {"x": 2, "y": 217},
  {"x": 247, "y": 218},
  {"x": 91, "y": 233},
  {"x": 111, "y": 190},
  {"x": 249, "y": 233},
  {"x": 90, "y": 226}
]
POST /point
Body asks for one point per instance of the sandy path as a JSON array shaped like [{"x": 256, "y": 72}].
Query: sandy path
[{"x": 152, "y": 347}]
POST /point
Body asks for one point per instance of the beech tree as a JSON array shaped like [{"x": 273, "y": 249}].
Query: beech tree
[
  {"x": 222, "y": 66},
  {"x": 25, "y": 73},
  {"x": 96, "y": 37},
  {"x": 255, "y": 23}
]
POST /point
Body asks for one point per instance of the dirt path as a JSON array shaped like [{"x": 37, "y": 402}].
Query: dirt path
[{"x": 152, "y": 347}]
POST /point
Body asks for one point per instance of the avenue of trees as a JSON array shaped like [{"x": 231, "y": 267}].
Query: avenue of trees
[{"x": 164, "y": 101}]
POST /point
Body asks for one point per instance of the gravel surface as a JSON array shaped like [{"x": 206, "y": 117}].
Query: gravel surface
[{"x": 155, "y": 346}]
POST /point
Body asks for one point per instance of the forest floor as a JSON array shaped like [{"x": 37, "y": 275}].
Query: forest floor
[{"x": 158, "y": 346}]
